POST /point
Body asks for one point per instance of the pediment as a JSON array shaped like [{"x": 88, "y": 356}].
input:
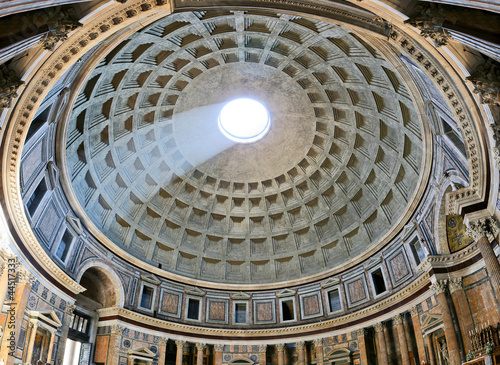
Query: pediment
[
  {"x": 339, "y": 354},
  {"x": 431, "y": 321},
  {"x": 330, "y": 282},
  {"x": 195, "y": 291},
  {"x": 286, "y": 293},
  {"x": 240, "y": 295},
  {"x": 143, "y": 352},
  {"x": 48, "y": 317},
  {"x": 372, "y": 261},
  {"x": 150, "y": 278},
  {"x": 408, "y": 230},
  {"x": 75, "y": 224}
]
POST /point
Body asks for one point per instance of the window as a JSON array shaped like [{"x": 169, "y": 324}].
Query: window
[
  {"x": 287, "y": 310},
  {"x": 240, "y": 313},
  {"x": 147, "y": 297},
  {"x": 417, "y": 250},
  {"x": 64, "y": 245},
  {"x": 378, "y": 281},
  {"x": 37, "y": 196},
  {"x": 193, "y": 309},
  {"x": 80, "y": 323},
  {"x": 334, "y": 302},
  {"x": 454, "y": 137},
  {"x": 38, "y": 122}
]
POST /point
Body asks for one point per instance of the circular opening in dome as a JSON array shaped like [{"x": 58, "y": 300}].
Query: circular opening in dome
[{"x": 244, "y": 120}]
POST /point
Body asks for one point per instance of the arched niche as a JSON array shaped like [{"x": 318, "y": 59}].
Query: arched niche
[
  {"x": 240, "y": 360},
  {"x": 339, "y": 356}
]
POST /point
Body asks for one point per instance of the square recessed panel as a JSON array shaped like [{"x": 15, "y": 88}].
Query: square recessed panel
[
  {"x": 399, "y": 267},
  {"x": 310, "y": 304},
  {"x": 170, "y": 303},
  {"x": 356, "y": 291},
  {"x": 264, "y": 311},
  {"x": 217, "y": 310}
]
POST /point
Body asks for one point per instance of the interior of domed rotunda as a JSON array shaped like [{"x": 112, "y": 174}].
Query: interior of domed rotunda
[{"x": 249, "y": 182}]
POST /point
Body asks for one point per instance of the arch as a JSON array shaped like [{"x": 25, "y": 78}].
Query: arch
[
  {"x": 241, "y": 360},
  {"x": 339, "y": 355},
  {"x": 108, "y": 274}
]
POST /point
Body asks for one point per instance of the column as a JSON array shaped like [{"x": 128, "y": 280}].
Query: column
[
  {"x": 180, "y": 347},
  {"x": 199, "y": 353},
  {"x": 318, "y": 346},
  {"x": 115, "y": 341},
  {"x": 66, "y": 323},
  {"x": 398, "y": 322},
  {"x": 51, "y": 346},
  {"x": 388, "y": 342},
  {"x": 430, "y": 349},
  {"x": 382, "y": 349},
  {"x": 362, "y": 346},
  {"x": 218, "y": 353},
  {"x": 162, "y": 341},
  {"x": 33, "y": 327},
  {"x": 439, "y": 288},
  {"x": 418, "y": 333},
  {"x": 464, "y": 316},
  {"x": 262, "y": 354},
  {"x": 300, "y": 352},
  {"x": 15, "y": 313},
  {"x": 281, "y": 353},
  {"x": 409, "y": 344},
  {"x": 479, "y": 230}
]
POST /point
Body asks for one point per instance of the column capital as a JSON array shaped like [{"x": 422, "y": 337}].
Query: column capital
[
  {"x": 318, "y": 342},
  {"x": 200, "y": 346},
  {"x": 414, "y": 311},
  {"x": 25, "y": 277},
  {"x": 219, "y": 347},
  {"x": 262, "y": 348},
  {"x": 301, "y": 345},
  {"x": 70, "y": 308},
  {"x": 455, "y": 284},
  {"x": 162, "y": 340},
  {"x": 439, "y": 286},
  {"x": 280, "y": 346},
  {"x": 360, "y": 332},
  {"x": 482, "y": 228},
  {"x": 117, "y": 329},
  {"x": 397, "y": 319},
  {"x": 379, "y": 326},
  {"x": 180, "y": 343}
]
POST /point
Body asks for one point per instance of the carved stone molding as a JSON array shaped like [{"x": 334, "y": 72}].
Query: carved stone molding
[
  {"x": 439, "y": 286},
  {"x": 455, "y": 284},
  {"x": 397, "y": 319},
  {"x": 379, "y": 326},
  {"x": 218, "y": 347},
  {"x": 300, "y": 345},
  {"x": 117, "y": 329},
  {"x": 280, "y": 346},
  {"x": 262, "y": 348},
  {"x": 9, "y": 84}
]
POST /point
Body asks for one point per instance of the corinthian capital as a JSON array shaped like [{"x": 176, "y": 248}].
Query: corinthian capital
[
  {"x": 379, "y": 326},
  {"x": 318, "y": 342},
  {"x": 439, "y": 286},
  {"x": 360, "y": 332},
  {"x": 25, "y": 277},
  {"x": 9, "y": 83},
  {"x": 200, "y": 346},
  {"x": 455, "y": 284},
  {"x": 397, "y": 319},
  {"x": 117, "y": 329},
  {"x": 482, "y": 228},
  {"x": 219, "y": 347},
  {"x": 180, "y": 343},
  {"x": 280, "y": 346},
  {"x": 300, "y": 345},
  {"x": 262, "y": 348}
]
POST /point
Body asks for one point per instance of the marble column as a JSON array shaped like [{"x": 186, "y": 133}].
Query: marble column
[
  {"x": 418, "y": 333},
  {"x": 180, "y": 348},
  {"x": 66, "y": 322},
  {"x": 430, "y": 349},
  {"x": 218, "y": 354},
  {"x": 162, "y": 341},
  {"x": 281, "y": 353},
  {"x": 32, "y": 331},
  {"x": 115, "y": 340},
  {"x": 200, "y": 347},
  {"x": 388, "y": 343},
  {"x": 318, "y": 346},
  {"x": 479, "y": 231},
  {"x": 262, "y": 354},
  {"x": 382, "y": 349},
  {"x": 362, "y": 346},
  {"x": 15, "y": 313},
  {"x": 398, "y": 322},
  {"x": 439, "y": 288},
  {"x": 300, "y": 352},
  {"x": 51, "y": 346},
  {"x": 406, "y": 326},
  {"x": 464, "y": 316}
]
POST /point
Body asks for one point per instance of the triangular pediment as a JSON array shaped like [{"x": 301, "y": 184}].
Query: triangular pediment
[
  {"x": 408, "y": 231},
  {"x": 372, "y": 261},
  {"x": 240, "y": 295},
  {"x": 75, "y": 224},
  {"x": 431, "y": 321},
  {"x": 330, "y": 282},
  {"x": 150, "y": 278},
  {"x": 195, "y": 291},
  {"x": 143, "y": 351},
  {"x": 48, "y": 317},
  {"x": 286, "y": 293}
]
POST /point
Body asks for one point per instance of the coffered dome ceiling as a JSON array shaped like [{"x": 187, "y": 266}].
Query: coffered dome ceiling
[{"x": 337, "y": 170}]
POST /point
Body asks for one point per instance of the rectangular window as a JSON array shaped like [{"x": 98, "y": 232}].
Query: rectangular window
[
  {"x": 37, "y": 196},
  {"x": 287, "y": 310},
  {"x": 417, "y": 251},
  {"x": 240, "y": 313},
  {"x": 147, "y": 297},
  {"x": 64, "y": 245},
  {"x": 454, "y": 137},
  {"x": 334, "y": 300},
  {"x": 193, "y": 311},
  {"x": 378, "y": 281}
]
